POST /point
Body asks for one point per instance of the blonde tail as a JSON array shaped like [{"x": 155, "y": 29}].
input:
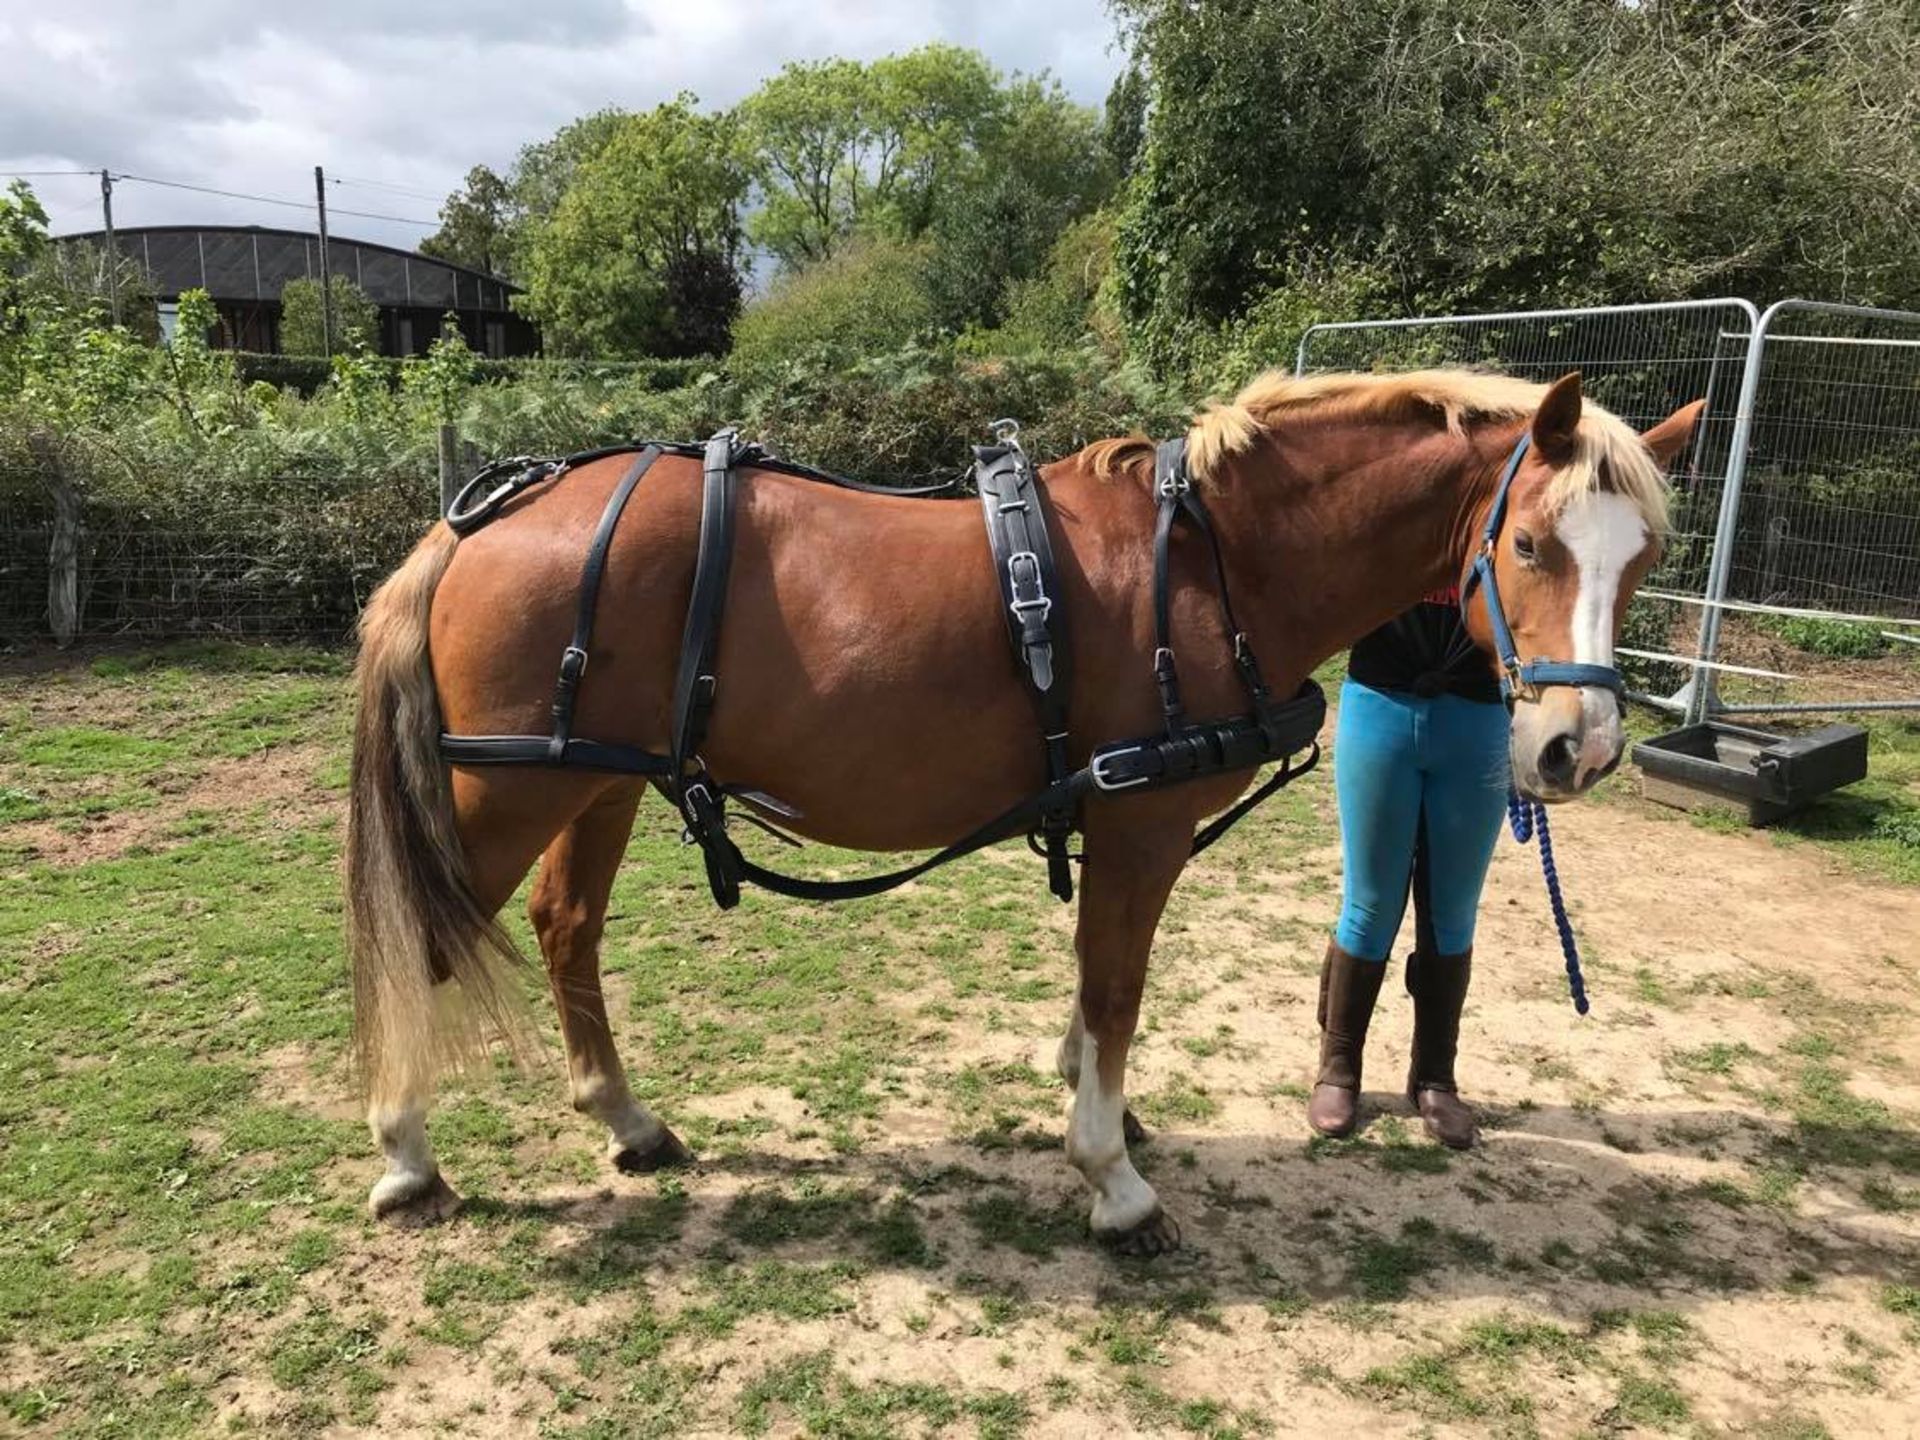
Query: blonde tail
[{"x": 413, "y": 919}]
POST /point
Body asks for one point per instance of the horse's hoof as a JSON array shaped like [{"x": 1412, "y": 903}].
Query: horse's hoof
[
  {"x": 409, "y": 1202},
  {"x": 1132, "y": 1129},
  {"x": 1155, "y": 1235},
  {"x": 666, "y": 1153}
]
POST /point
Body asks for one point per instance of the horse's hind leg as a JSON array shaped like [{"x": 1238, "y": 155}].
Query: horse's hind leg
[
  {"x": 1124, "y": 887},
  {"x": 569, "y": 910},
  {"x": 504, "y": 820}
]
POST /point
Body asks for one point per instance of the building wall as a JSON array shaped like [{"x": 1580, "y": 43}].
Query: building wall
[{"x": 244, "y": 269}]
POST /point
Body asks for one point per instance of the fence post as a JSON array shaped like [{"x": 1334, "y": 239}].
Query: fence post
[
  {"x": 63, "y": 554},
  {"x": 1700, "y": 696},
  {"x": 449, "y": 466}
]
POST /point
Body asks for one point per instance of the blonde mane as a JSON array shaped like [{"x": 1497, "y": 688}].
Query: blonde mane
[{"x": 1606, "y": 446}]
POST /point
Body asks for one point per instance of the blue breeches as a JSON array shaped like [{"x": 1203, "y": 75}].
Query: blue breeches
[{"x": 1415, "y": 775}]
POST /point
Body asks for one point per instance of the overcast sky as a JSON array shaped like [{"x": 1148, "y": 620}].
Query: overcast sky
[{"x": 249, "y": 95}]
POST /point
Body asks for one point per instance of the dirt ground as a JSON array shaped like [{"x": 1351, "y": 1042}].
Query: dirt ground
[{"x": 1695, "y": 1211}]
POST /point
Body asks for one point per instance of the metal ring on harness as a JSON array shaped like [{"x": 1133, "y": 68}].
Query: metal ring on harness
[{"x": 462, "y": 517}]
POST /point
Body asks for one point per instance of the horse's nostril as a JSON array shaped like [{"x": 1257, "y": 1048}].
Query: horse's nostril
[{"x": 1558, "y": 759}]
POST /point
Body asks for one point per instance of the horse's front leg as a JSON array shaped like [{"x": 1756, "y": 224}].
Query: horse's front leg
[{"x": 1133, "y": 858}]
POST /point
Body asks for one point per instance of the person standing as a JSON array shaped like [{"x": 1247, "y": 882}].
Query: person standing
[{"x": 1421, "y": 775}]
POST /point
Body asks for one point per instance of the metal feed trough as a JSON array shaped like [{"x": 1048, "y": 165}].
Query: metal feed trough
[{"x": 1714, "y": 765}]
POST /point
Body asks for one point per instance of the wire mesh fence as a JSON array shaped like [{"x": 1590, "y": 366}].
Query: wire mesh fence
[
  {"x": 295, "y": 565},
  {"x": 1642, "y": 362}
]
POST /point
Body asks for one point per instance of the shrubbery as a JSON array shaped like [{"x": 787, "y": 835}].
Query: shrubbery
[{"x": 868, "y": 298}]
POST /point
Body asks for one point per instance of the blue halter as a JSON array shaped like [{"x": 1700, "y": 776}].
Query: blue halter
[{"x": 1518, "y": 680}]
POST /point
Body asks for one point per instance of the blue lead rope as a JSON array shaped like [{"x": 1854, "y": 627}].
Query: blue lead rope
[{"x": 1528, "y": 818}]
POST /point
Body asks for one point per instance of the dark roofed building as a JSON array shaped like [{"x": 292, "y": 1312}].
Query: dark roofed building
[{"x": 244, "y": 267}]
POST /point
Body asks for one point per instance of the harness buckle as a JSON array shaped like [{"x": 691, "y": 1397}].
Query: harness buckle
[
  {"x": 1006, "y": 431},
  {"x": 1516, "y": 682},
  {"x": 573, "y": 664},
  {"x": 1097, "y": 767},
  {"x": 1173, "y": 483},
  {"x": 1039, "y": 599},
  {"x": 702, "y": 812}
]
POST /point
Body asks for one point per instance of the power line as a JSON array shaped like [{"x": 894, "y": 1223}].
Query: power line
[
  {"x": 396, "y": 219},
  {"x": 383, "y": 185},
  {"x": 273, "y": 200},
  {"x": 210, "y": 190},
  {"x": 39, "y": 174}
]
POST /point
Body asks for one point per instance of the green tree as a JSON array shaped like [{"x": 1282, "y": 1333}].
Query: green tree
[
  {"x": 490, "y": 220},
  {"x": 62, "y": 367},
  {"x": 888, "y": 147},
  {"x": 1282, "y": 131},
  {"x": 642, "y": 254},
  {"x": 1041, "y": 166},
  {"x": 356, "y": 319},
  {"x": 440, "y": 382},
  {"x": 1126, "y": 118},
  {"x": 476, "y": 224},
  {"x": 542, "y": 173},
  {"x": 1069, "y": 299},
  {"x": 1490, "y": 153},
  {"x": 23, "y": 244}
]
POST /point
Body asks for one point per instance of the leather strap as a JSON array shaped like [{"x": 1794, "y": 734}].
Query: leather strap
[
  {"x": 538, "y": 750},
  {"x": 1016, "y": 521},
  {"x": 573, "y": 660},
  {"x": 701, "y": 802}
]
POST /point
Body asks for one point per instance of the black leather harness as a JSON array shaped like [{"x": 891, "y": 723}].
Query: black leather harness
[{"x": 1014, "y": 509}]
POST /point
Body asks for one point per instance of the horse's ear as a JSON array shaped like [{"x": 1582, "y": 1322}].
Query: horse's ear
[
  {"x": 1557, "y": 420},
  {"x": 1667, "y": 439}
]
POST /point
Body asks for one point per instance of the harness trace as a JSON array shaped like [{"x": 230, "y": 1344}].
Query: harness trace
[{"x": 1014, "y": 511}]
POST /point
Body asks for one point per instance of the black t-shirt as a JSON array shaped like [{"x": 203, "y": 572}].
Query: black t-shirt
[{"x": 1425, "y": 651}]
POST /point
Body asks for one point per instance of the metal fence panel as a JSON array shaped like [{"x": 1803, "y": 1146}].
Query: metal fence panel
[{"x": 1824, "y": 511}]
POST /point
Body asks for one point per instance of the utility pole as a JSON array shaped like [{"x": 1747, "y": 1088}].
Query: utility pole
[
  {"x": 326, "y": 269},
  {"x": 113, "y": 251}
]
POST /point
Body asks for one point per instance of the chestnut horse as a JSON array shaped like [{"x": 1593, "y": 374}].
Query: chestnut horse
[{"x": 867, "y": 683}]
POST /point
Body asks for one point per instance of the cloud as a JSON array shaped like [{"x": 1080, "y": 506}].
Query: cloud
[{"x": 398, "y": 101}]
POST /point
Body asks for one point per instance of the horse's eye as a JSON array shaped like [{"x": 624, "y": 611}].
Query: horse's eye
[{"x": 1523, "y": 544}]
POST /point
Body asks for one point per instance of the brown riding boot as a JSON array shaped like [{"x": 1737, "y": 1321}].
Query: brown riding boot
[
  {"x": 1438, "y": 985},
  {"x": 1348, "y": 989}
]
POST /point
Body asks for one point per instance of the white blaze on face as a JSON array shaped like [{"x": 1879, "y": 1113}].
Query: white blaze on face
[{"x": 1603, "y": 532}]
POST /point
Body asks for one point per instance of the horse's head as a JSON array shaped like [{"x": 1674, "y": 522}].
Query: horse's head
[{"x": 1575, "y": 526}]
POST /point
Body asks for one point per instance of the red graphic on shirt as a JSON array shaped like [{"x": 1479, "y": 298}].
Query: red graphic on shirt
[{"x": 1448, "y": 596}]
